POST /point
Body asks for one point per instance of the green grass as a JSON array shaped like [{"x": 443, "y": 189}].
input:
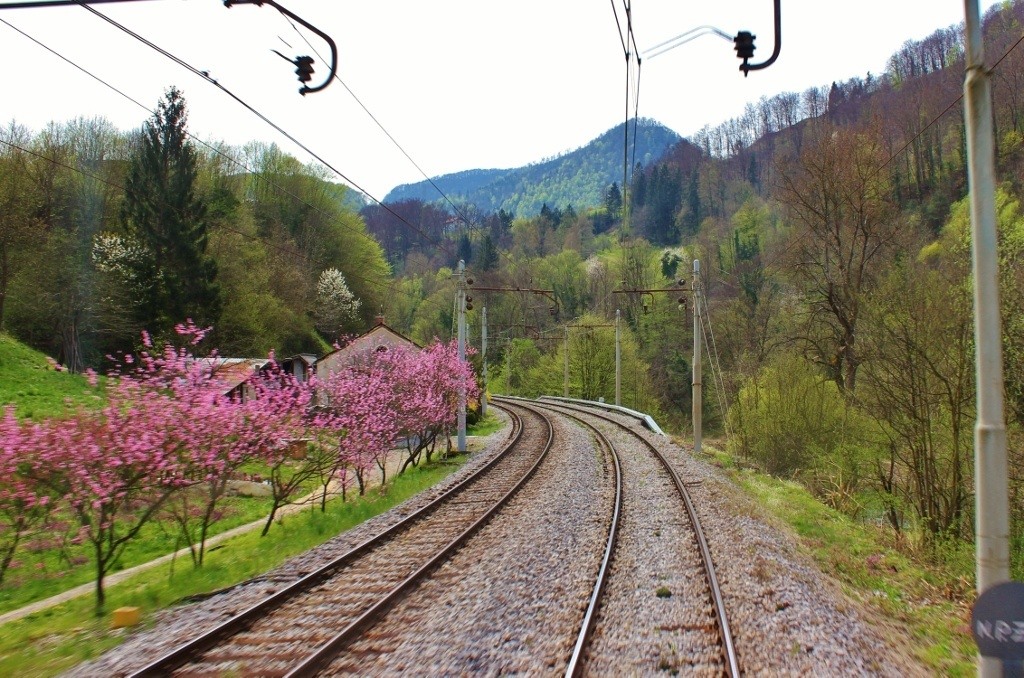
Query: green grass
[
  {"x": 52, "y": 641},
  {"x": 932, "y": 602},
  {"x": 36, "y": 389},
  {"x": 39, "y": 570},
  {"x": 486, "y": 426}
]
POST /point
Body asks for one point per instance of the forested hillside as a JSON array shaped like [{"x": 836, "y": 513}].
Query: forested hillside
[
  {"x": 576, "y": 179},
  {"x": 108, "y": 233}
]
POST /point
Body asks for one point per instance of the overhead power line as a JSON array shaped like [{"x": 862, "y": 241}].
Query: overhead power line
[
  {"x": 458, "y": 211},
  {"x": 259, "y": 175},
  {"x": 206, "y": 76}
]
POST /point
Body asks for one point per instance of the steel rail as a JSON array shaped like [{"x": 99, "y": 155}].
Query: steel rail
[
  {"x": 323, "y": 654},
  {"x": 243, "y": 620},
  {"x": 725, "y": 634},
  {"x": 590, "y": 617}
]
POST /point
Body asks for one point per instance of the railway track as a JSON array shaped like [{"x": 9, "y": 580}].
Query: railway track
[
  {"x": 511, "y": 600},
  {"x": 375, "y": 597},
  {"x": 696, "y": 630},
  {"x": 524, "y": 598},
  {"x": 299, "y": 628}
]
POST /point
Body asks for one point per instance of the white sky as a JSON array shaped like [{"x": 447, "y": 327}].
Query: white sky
[{"x": 460, "y": 84}]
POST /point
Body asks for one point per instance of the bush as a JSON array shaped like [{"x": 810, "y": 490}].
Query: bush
[{"x": 789, "y": 419}]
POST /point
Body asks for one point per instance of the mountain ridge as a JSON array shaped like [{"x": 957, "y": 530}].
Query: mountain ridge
[{"x": 579, "y": 177}]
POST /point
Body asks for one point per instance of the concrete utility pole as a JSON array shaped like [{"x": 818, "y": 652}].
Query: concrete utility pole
[
  {"x": 460, "y": 303},
  {"x": 990, "y": 467},
  {"x": 618, "y": 360},
  {"x": 697, "y": 403},
  {"x": 483, "y": 352},
  {"x": 565, "y": 378}
]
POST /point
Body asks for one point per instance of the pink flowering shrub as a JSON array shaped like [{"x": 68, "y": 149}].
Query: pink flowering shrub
[{"x": 171, "y": 437}]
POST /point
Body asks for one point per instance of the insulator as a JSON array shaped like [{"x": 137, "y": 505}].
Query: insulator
[
  {"x": 304, "y": 68},
  {"x": 744, "y": 44}
]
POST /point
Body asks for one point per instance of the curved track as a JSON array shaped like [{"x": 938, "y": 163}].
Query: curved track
[
  {"x": 296, "y": 630},
  {"x": 730, "y": 664}
]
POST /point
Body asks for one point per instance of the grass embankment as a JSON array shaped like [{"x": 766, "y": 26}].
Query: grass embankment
[
  {"x": 47, "y": 564},
  {"x": 35, "y": 388},
  {"x": 933, "y": 602},
  {"x": 53, "y": 640}
]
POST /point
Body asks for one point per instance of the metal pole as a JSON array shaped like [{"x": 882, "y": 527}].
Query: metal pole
[
  {"x": 697, "y": 402},
  {"x": 618, "y": 360},
  {"x": 990, "y": 467},
  {"x": 460, "y": 299},
  {"x": 565, "y": 378},
  {"x": 483, "y": 351}
]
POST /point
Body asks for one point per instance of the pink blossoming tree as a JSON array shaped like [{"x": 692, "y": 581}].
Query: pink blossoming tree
[{"x": 24, "y": 502}]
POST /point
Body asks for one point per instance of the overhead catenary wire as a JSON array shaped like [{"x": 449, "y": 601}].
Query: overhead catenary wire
[
  {"x": 636, "y": 83},
  {"x": 458, "y": 211},
  {"x": 629, "y": 50},
  {"x": 206, "y": 76},
  {"x": 216, "y": 150}
]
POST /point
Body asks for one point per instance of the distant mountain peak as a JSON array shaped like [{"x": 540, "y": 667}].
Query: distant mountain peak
[{"x": 578, "y": 177}]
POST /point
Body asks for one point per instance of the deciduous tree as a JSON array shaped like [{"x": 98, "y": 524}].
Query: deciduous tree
[{"x": 837, "y": 197}]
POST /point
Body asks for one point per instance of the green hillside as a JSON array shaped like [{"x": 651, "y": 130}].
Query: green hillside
[
  {"x": 35, "y": 388},
  {"x": 579, "y": 178}
]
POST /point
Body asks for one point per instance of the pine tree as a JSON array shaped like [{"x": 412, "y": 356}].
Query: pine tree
[
  {"x": 487, "y": 255},
  {"x": 613, "y": 201},
  {"x": 167, "y": 218}
]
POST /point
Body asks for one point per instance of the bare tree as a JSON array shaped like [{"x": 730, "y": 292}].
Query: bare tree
[
  {"x": 918, "y": 384},
  {"x": 837, "y": 197}
]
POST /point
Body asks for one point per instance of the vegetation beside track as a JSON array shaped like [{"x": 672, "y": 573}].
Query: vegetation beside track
[
  {"x": 52, "y": 641},
  {"x": 928, "y": 596},
  {"x": 28, "y": 381}
]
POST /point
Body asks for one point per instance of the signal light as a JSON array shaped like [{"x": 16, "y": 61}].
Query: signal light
[
  {"x": 469, "y": 306},
  {"x": 304, "y": 68}
]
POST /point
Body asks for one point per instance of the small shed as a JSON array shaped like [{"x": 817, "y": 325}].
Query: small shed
[{"x": 379, "y": 338}]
